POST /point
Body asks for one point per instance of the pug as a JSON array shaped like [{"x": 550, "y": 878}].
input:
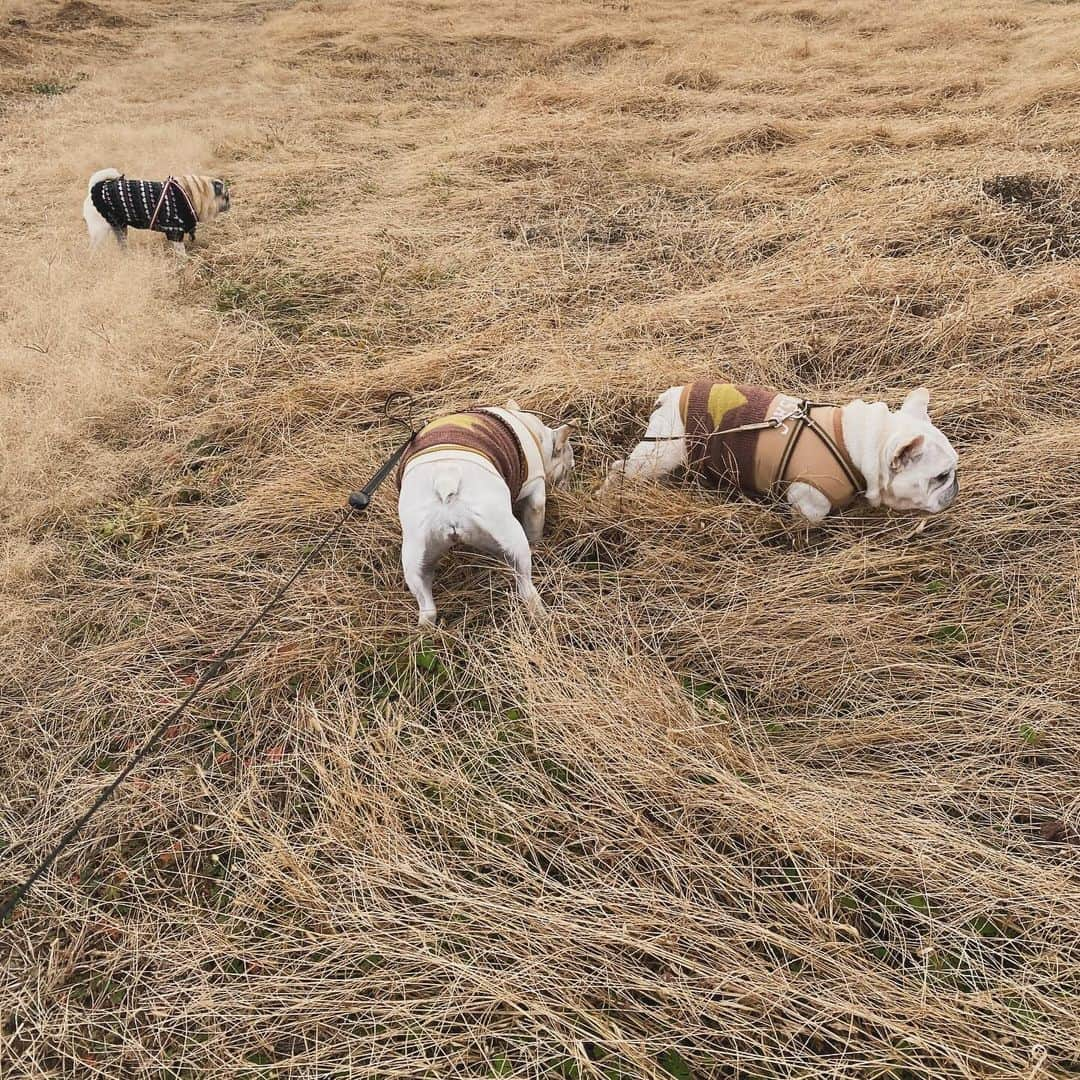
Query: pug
[
  {"x": 821, "y": 457},
  {"x": 463, "y": 480},
  {"x": 174, "y": 206}
]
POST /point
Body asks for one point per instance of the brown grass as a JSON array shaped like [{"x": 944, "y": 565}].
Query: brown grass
[{"x": 756, "y": 802}]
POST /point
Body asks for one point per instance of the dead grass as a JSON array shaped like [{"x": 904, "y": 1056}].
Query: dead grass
[{"x": 756, "y": 802}]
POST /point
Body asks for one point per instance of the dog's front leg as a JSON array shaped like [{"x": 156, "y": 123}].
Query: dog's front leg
[
  {"x": 533, "y": 512},
  {"x": 808, "y": 501},
  {"x": 178, "y": 249}
]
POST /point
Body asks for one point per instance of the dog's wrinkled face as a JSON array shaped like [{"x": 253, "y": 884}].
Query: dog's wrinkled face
[
  {"x": 209, "y": 196},
  {"x": 920, "y": 463},
  {"x": 221, "y": 196}
]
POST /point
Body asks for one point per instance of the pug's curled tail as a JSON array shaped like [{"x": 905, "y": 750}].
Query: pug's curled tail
[
  {"x": 447, "y": 482},
  {"x": 103, "y": 174}
]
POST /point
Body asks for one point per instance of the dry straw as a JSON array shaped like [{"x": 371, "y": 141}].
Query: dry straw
[{"x": 755, "y": 802}]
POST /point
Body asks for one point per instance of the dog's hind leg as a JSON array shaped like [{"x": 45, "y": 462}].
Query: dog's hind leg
[
  {"x": 651, "y": 460},
  {"x": 120, "y": 232},
  {"x": 664, "y": 448},
  {"x": 418, "y": 560},
  {"x": 97, "y": 227},
  {"x": 505, "y": 537}
]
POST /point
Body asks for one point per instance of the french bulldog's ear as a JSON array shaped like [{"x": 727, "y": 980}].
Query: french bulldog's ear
[
  {"x": 513, "y": 406},
  {"x": 562, "y": 434},
  {"x": 906, "y": 453},
  {"x": 916, "y": 402}
]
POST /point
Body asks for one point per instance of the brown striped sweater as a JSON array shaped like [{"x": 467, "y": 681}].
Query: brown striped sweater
[
  {"x": 478, "y": 431},
  {"x": 749, "y": 460}
]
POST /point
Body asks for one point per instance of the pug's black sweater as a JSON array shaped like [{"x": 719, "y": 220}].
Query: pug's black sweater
[{"x": 127, "y": 203}]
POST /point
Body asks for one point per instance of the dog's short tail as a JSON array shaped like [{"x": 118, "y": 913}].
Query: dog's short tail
[
  {"x": 103, "y": 174},
  {"x": 447, "y": 482}
]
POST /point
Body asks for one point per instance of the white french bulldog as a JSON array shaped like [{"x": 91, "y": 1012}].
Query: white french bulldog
[
  {"x": 453, "y": 494},
  {"x": 905, "y": 461}
]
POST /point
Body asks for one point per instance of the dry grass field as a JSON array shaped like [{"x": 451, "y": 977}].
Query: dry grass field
[{"x": 754, "y": 802}]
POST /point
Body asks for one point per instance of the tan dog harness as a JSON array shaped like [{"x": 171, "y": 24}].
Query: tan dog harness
[
  {"x": 495, "y": 437},
  {"x": 749, "y": 437}
]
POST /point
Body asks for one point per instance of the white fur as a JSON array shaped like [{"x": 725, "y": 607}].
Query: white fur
[
  {"x": 456, "y": 497},
  {"x": 98, "y": 228},
  {"x": 900, "y": 454}
]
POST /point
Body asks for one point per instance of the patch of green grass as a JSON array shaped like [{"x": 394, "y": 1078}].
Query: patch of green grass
[
  {"x": 674, "y": 1064},
  {"x": 1031, "y": 735},
  {"x": 500, "y": 1066},
  {"x": 131, "y": 524},
  {"x": 231, "y": 296},
  {"x": 50, "y": 89}
]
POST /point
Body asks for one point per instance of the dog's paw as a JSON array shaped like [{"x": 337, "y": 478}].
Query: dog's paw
[
  {"x": 535, "y": 606},
  {"x": 614, "y": 476}
]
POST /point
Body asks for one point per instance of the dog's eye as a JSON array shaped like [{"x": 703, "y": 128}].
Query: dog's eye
[{"x": 942, "y": 477}]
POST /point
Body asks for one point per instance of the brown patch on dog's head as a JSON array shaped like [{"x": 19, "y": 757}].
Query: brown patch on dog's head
[{"x": 209, "y": 197}]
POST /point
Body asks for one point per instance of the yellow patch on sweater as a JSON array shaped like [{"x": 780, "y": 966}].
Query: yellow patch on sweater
[
  {"x": 723, "y": 397},
  {"x": 468, "y": 421}
]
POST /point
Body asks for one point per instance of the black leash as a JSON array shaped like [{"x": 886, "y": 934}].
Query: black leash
[{"x": 358, "y": 500}]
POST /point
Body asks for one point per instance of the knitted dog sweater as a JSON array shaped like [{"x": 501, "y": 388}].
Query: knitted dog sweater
[
  {"x": 480, "y": 432},
  {"x": 749, "y": 460},
  {"x": 131, "y": 204}
]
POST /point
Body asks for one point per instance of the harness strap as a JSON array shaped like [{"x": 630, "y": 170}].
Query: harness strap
[
  {"x": 184, "y": 195},
  {"x": 800, "y": 417},
  {"x": 161, "y": 201},
  {"x": 804, "y": 419},
  {"x": 838, "y": 456}
]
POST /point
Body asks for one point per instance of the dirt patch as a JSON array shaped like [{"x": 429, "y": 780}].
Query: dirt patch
[
  {"x": 761, "y": 138},
  {"x": 82, "y": 15},
  {"x": 1043, "y": 225}
]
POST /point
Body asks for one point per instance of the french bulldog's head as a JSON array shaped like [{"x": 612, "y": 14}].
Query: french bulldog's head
[
  {"x": 919, "y": 463},
  {"x": 555, "y": 446}
]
